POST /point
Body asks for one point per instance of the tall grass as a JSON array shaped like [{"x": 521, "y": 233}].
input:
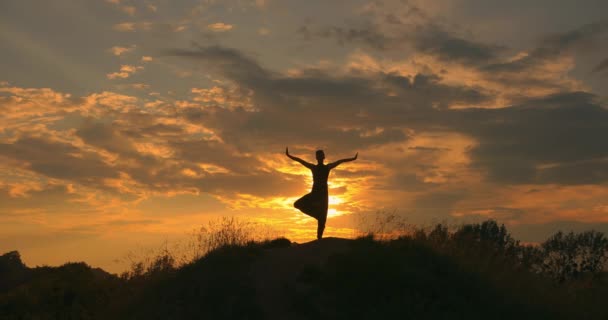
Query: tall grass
[
  {"x": 218, "y": 233},
  {"x": 381, "y": 225}
]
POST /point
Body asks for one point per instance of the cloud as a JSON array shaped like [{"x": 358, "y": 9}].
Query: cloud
[
  {"x": 263, "y": 31},
  {"x": 449, "y": 47},
  {"x": 551, "y": 48},
  {"x": 368, "y": 36},
  {"x": 125, "y": 27},
  {"x": 603, "y": 65},
  {"x": 130, "y": 10},
  {"x": 57, "y": 160},
  {"x": 430, "y": 39},
  {"x": 220, "y": 27},
  {"x": 577, "y": 37},
  {"x": 125, "y": 72},
  {"x": 140, "y": 86},
  {"x": 388, "y": 28},
  {"x": 227, "y": 97},
  {"x": 180, "y": 28},
  {"x": 225, "y": 60},
  {"x": 427, "y": 36},
  {"x": 117, "y": 50},
  {"x": 140, "y": 26},
  {"x": 541, "y": 140},
  {"x": 31, "y": 107}
]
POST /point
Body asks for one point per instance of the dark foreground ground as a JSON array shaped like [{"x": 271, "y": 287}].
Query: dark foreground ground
[{"x": 327, "y": 279}]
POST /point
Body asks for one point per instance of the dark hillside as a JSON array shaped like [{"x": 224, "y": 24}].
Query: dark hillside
[{"x": 469, "y": 274}]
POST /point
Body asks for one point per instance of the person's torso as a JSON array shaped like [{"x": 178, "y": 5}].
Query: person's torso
[{"x": 320, "y": 173}]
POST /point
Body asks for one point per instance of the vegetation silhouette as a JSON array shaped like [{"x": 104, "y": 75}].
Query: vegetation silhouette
[
  {"x": 315, "y": 203},
  {"x": 475, "y": 271}
]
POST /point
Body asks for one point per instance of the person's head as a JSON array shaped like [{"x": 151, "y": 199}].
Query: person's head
[{"x": 320, "y": 155}]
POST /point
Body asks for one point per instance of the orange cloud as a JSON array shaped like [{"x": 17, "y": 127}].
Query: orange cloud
[
  {"x": 220, "y": 27},
  {"x": 130, "y": 10},
  {"x": 117, "y": 50},
  {"x": 125, "y": 27},
  {"x": 133, "y": 26},
  {"x": 125, "y": 72},
  {"x": 229, "y": 97}
]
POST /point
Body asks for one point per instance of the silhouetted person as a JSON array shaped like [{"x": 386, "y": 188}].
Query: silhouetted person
[{"x": 315, "y": 203}]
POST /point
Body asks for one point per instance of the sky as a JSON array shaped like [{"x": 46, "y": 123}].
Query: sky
[{"x": 127, "y": 124}]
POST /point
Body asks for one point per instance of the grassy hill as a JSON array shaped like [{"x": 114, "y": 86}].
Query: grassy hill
[{"x": 429, "y": 275}]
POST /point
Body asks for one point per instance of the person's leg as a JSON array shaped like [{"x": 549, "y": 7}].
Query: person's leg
[
  {"x": 309, "y": 206},
  {"x": 299, "y": 204},
  {"x": 320, "y": 228}
]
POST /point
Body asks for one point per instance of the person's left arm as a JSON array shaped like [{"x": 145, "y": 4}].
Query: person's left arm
[{"x": 337, "y": 163}]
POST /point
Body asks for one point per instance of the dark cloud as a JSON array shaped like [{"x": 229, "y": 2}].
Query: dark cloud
[
  {"x": 578, "y": 36},
  {"x": 58, "y": 160},
  {"x": 550, "y": 48},
  {"x": 450, "y": 47},
  {"x": 585, "y": 172},
  {"x": 428, "y": 38},
  {"x": 368, "y": 36},
  {"x": 426, "y": 149},
  {"x": 105, "y": 136},
  {"x": 602, "y": 66},
  {"x": 214, "y": 153},
  {"x": 555, "y": 139},
  {"x": 159, "y": 129},
  {"x": 230, "y": 61}
]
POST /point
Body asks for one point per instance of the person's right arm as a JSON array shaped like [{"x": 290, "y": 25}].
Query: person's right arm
[{"x": 302, "y": 162}]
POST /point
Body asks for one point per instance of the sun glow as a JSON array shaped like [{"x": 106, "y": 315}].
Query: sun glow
[{"x": 333, "y": 202}]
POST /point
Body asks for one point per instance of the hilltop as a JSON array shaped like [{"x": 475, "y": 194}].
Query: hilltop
[{"x": 330, "y": 278}]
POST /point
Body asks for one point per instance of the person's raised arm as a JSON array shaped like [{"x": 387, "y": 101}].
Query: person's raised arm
[
  {"x": 337, "y": 163},
  {"x": 302, "y": 162}
]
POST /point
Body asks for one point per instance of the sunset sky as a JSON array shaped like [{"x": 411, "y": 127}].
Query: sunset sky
[{"x": 128, "y": 123}]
